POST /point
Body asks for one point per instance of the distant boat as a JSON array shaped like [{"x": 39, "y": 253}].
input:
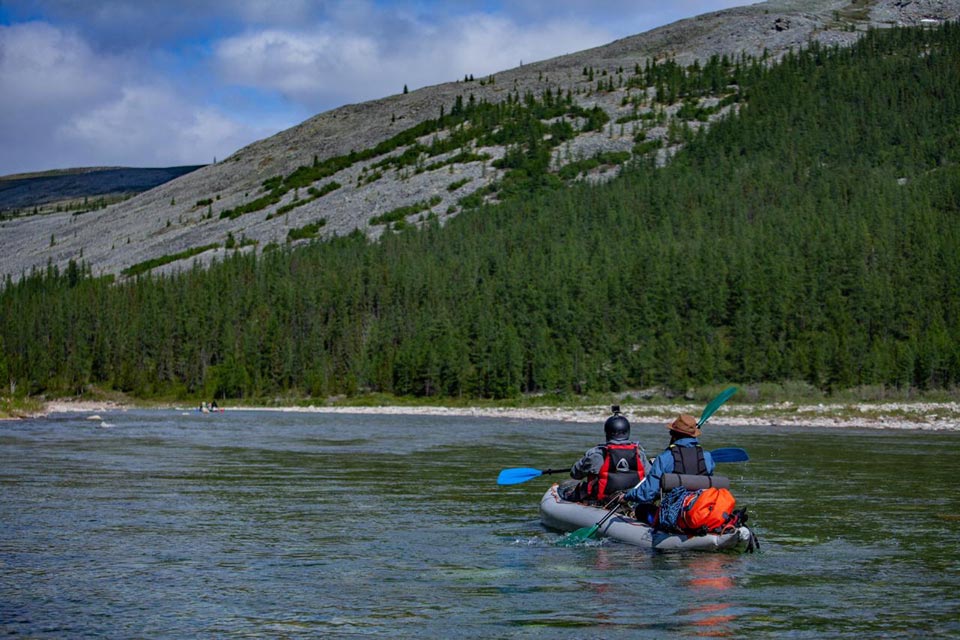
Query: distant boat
[{"x": 206, "y": 409}]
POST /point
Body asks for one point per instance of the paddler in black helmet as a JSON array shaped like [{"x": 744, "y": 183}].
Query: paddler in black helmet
[{"x": 616, "y": 465}]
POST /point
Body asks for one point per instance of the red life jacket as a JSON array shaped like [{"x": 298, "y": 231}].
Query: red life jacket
[{"x": 621, "y": 470}]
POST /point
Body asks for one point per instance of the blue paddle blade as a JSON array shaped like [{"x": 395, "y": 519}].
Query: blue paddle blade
[
  {"x": 518, "y": 475},
  {"x": 715, "y": 404},
  {"x": 729, "y": 454}
]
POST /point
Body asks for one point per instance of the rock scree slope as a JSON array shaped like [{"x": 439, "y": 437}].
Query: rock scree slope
[{"x": 191, "y": 211}]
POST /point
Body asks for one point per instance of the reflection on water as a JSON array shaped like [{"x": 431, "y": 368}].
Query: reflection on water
[
  {"x": 708, "y": 582},
  {"x": 307, "y": 525}
]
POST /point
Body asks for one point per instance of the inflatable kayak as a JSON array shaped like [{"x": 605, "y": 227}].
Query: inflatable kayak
[{"x": 557, "y": 513}]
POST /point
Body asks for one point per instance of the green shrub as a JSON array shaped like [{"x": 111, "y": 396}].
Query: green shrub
[
  {"x": 306, "y": 231},
  {"x": 315, "y": 193},
  {"x": 453, "y": 186},
  {"x": 153, "y": 263},
  {"x": 402, "y": 212},
  {"x": 647, "y": 146}
]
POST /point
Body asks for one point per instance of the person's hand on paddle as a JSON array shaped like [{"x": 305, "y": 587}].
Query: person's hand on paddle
[
  {"x": 631, "y": 495},
  {"x": 614, "y": 501}
]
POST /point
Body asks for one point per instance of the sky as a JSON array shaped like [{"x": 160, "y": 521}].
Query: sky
[{"x": 158, "y": 83}]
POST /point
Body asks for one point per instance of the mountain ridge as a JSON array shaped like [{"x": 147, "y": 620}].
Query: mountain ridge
[
  {"x": 186, "y": 213},
  {"x": 69, "y": 189},
  {"x": 807, "y": 240}
]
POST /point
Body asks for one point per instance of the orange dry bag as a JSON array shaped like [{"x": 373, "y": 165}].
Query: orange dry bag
[{"x": 707, "y": 511}]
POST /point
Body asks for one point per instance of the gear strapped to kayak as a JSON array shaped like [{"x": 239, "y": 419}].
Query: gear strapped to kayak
[
  {"x": 563, "y": 515},
  {"x": 700, "y": 510},
  {"x": 709, "y": 510}
]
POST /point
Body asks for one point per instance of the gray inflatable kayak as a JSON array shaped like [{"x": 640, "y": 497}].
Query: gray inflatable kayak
[{"x": 557, "y": 513}]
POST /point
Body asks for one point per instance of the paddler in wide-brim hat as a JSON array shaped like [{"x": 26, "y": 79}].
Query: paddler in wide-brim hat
[{"x": 683, "y": 455}]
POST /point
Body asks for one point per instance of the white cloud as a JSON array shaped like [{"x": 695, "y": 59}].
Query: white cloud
[
  {"x": 47, "y": 69},
  {"x": 140, "y": 83},
  {"x": 299, "y": 65},
  {"x": 491, "y": 44},
  {"x": 151, "y": 126},
  {"x": 66, "y": 105},
  {"x": 329, "y": 64}
]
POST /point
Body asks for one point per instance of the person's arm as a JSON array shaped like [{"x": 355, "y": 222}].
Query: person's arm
[
  {"x": 709, "y": 461},
  {"x": 647, "y": 462},
  {"x": 635, "y": 494},
  {"x": 649, "y": 488},
  {"x": 589, "y": 464}
]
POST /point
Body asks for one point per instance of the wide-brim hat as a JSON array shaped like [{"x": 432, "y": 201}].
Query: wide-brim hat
[{"x": 687, "y": 425}]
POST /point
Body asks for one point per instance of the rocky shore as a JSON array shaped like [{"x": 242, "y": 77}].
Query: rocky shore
[{"x": 926, "y": 416}]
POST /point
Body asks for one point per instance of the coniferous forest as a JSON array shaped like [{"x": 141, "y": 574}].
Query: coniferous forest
[{"x": 813, "y": 236}]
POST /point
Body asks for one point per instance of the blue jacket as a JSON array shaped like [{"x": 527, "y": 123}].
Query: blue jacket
[{"x": 649, "y": 489}]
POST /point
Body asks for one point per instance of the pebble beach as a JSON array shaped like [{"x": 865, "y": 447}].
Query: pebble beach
[{"x": 926, "y": 416}]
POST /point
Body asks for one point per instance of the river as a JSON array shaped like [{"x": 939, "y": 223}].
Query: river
[{"x": 175, "y": 524}]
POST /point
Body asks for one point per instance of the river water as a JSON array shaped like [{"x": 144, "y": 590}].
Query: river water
[{"x": 175, "y": 524}]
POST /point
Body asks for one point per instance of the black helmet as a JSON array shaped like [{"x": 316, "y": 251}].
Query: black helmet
[{"x": 616, "y": 427}]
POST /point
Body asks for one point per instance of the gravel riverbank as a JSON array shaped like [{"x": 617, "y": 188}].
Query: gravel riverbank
[{"x": 927, "y": 416}]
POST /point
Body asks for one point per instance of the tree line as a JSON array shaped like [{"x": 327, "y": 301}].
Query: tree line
[{"x": 810, "y": 236}]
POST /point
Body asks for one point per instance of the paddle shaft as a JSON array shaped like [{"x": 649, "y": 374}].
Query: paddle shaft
[
  {"x": 585, "y": 533},
  {"x": 613, "y": 510},
  {"x": 524, "y": 474}
]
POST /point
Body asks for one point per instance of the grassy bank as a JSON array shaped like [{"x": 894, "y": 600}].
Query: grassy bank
[{"x": 11, "y": 408}]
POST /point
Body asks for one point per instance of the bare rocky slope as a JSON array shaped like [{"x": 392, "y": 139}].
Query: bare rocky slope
[{"x": 184, "y": 214}]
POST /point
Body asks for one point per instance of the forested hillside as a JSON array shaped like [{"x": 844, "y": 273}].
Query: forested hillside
[{"x": 813, "y": 236}]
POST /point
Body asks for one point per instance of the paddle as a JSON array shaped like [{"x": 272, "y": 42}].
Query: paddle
[
  {"x": 725, "y": 454},
  {"x": 522, "y": 474},
  {"x": 729, "y": 454},
  {"x": 585, "y": 533},
  {"x": 715, "y": 404}
]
